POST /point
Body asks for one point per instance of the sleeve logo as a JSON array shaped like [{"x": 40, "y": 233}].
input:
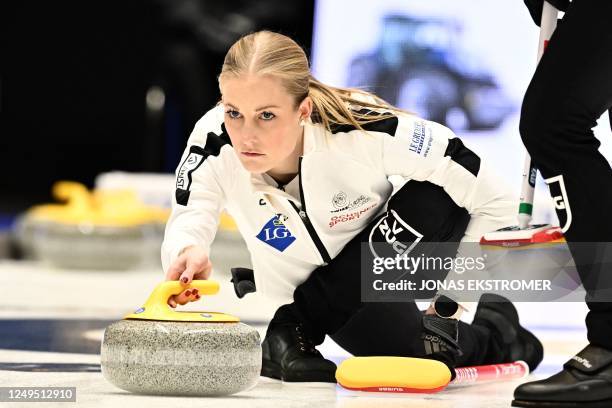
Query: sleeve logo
[
  {"x": 184, "y": 175},
  {"x": 421, "y": 141}
]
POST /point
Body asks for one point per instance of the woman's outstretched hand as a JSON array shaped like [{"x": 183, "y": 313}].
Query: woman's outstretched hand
[{"x": 192, "y": 263}]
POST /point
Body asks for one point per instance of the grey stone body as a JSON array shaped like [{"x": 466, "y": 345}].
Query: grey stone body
[
  {"x": 90, "y": 246},
  {"x": 181, "y": 358}
]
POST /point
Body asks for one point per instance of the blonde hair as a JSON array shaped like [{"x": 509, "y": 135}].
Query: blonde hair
[{"x": 266, "y": 52}]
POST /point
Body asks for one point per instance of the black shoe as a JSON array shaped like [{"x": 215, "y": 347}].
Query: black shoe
[
  {"x": 586, "y": 381},
  {"x": 441, "y": 340},
  {"x": 509, "y": 340},
  {"x": 289, "y": 355}
]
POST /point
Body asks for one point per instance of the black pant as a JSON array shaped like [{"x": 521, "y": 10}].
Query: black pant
[
  {"x": 329, "y": 301},
  {"x": 570, "y": 90}
]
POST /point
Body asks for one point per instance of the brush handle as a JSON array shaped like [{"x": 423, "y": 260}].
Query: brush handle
[{"x": 493, "y": 372}]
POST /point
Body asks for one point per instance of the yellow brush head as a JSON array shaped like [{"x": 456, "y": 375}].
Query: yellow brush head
[{"x": 393, "y": 374}]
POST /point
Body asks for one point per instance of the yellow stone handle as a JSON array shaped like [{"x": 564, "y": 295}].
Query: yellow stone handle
[
  {"x": 157, "y": 308},
  {"x": 76, "y": 195},
  {"x": 157, "y": 303}
]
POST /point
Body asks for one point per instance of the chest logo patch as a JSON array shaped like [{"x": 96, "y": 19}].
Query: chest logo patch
[{"x": 276, "y": 234}]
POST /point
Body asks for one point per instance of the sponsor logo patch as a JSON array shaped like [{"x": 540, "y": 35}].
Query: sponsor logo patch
[
  {"x": 194, "y": 159},
  {"x": 582, "y": 361},
  {"x": 191, "y": 163},
  {"x": 421, "y": 139},
  {"x": 391, "y": 389},
  {"x": 341, "y": 202},
  {"x": 336, "y": 219},
  {"x": 400, "y": 237},
  {"x": 276, "y": 234}
]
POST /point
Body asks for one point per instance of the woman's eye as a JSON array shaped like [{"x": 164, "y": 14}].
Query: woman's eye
[
  {"x": 267, "y": 115},
  {"x": 233, "y": 114}
]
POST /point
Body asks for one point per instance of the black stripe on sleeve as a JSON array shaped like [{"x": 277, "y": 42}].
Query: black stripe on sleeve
[
  {"x": 196, "y": 157},
  {"x": 388, "y": 125},
  {"x": 463, "y": 156}
]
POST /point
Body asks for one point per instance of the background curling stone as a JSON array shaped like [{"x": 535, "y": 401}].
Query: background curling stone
[{"x": 157, "y": 350}]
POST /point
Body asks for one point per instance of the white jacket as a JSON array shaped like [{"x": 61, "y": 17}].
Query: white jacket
[{"x": 343, "y": 184}]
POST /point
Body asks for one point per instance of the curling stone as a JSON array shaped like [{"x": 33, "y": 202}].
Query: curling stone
[
  {"x": 109, "y": 230},
  {"x": 158, "y": 350}
]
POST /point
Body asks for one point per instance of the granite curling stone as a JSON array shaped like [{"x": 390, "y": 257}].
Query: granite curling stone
[
  {"x": 104, "y": 230},
  {"x": 157, "y": 350}
]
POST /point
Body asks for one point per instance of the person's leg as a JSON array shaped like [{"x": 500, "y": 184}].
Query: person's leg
[
  {"x": 394, "y": 329},
  {"x": 570, "y": 90}
]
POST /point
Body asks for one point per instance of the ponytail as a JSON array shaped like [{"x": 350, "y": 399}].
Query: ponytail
[{"x": 344, "y": 106}]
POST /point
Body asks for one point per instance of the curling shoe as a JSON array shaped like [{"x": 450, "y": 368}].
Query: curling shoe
[{"x": 584, "y": 382}]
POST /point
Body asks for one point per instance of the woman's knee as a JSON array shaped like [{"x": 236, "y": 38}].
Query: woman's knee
[
  {"x": 398, "y": 330},
  {"x": 551, "y": 120},
  {"x": 428, "y": 209},
  {"x": 537, "y": 120}
]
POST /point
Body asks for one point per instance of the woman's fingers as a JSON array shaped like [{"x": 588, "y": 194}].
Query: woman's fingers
[
  {"x": 172, "y": 301},
  {"x": 196, "y": 295},
  {"x": 192, "y": 263},
  {"x": 202, "y": 275},
  {"x": 175, "y": 270},
  {"x": 189, "y": 295},
  {"x": 200, "y": 266},
  {"x": 183, "y": 297}
]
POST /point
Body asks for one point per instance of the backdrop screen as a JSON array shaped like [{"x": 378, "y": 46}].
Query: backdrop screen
[{"x": 463, "y": 63}]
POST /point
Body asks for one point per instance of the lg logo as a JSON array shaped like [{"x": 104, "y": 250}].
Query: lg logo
[{"x": 276, "y": 233}]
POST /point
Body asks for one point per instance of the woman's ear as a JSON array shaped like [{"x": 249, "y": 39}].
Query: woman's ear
[{"x": 305, "y": 108}]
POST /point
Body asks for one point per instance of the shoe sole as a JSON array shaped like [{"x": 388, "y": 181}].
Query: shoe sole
[
  {"x": 269, "y": 380},
  {"x": 534, "y": 341},
  {"x": 310, "y": 384},
  {"x": 551, "y": 404},
  {"x": 270, "y": 369},
  {"x": 310, "y": 377},
  {"x": 499, "y": 304}
]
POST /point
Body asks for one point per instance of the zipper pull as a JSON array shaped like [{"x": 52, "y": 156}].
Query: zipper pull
[{"x": 302, "y": 214}]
